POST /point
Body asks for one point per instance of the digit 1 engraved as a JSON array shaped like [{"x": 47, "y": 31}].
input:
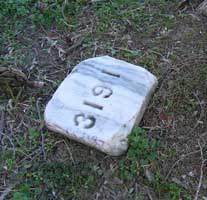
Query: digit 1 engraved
[
  {"x": 104, "y": 91},
  {"x": 84, "y": 121},
  {"x": 93, "y": 105},
  {"x": 110, "y": 73}
]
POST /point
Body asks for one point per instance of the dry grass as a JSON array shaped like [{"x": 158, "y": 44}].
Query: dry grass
[{"x": 171, "y": 43}]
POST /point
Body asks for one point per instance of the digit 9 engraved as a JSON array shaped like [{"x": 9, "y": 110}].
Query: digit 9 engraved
[
  {"x": 104, "y": 91},
  {"x": 84, "y": 121}
]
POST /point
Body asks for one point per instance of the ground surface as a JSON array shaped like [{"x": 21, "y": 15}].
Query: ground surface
[{"x": 167, "y": 155}]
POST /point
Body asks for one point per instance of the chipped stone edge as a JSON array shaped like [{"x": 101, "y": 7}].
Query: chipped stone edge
[{"x": 118, "y": 148}]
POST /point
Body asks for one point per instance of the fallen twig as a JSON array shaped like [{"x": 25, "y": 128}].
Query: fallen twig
[
  {"x": 201, "y": 172},
  {"x": 10, "y": 140},
  {"x": 75, "y": 46},
  {"x": 202, "y": 8},
  {"x": 5, "y": 192},
  {"x": 180, "y": 159},
  {"x": 202, "y": 114},
  {"x": 1, "y": 123}
]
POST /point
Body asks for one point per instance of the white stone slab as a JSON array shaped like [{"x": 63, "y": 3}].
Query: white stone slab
[{"x": 99, "y": 103}]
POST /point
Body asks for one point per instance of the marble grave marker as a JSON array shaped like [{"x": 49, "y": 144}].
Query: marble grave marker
[{"x": 99, "y": 103}]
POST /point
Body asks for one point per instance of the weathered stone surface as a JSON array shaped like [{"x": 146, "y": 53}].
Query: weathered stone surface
[{"x": 99, "y": 103}]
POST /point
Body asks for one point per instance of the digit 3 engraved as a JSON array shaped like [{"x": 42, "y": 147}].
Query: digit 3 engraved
[
  {"x": 84, "y": 121},
  {"x": 103, "y": 91}
]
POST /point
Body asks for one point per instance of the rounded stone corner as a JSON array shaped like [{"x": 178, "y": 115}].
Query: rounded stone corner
[{"x": 117, "y": 147}]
